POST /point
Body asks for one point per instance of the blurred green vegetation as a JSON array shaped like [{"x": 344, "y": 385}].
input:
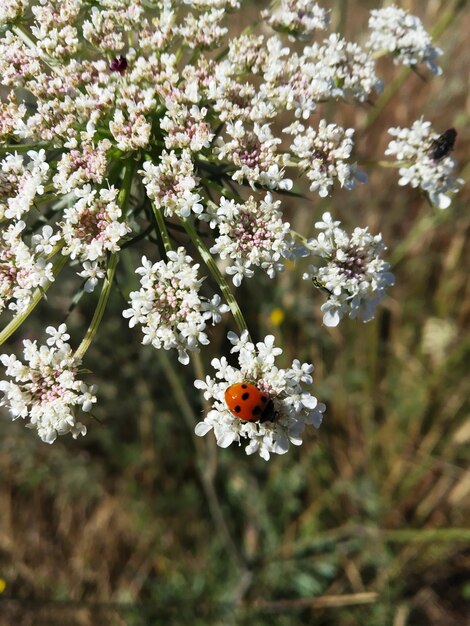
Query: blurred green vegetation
[{"x": 365, "y": 524}]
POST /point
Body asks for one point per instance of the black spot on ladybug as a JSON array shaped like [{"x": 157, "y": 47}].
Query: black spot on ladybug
[
  {"x": 238, "y": 408},
  {"x": 245, "y": 395},
  {"x": 257, "y": 410},
  {"x": 264, "y": 399},
  {"x": 244, "y": 386}
]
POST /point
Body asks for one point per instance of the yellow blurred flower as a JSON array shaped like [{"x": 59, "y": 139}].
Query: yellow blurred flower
[{"x": 276, "y": 317}]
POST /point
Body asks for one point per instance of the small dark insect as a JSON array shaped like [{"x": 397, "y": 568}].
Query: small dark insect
[
  {"x": 444, "y": 144},
  {"x": 319, "y": 284},
  {"x": 119, "y": 64}
]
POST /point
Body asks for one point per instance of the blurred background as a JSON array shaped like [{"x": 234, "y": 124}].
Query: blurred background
[{"x": 367, "y": 523}]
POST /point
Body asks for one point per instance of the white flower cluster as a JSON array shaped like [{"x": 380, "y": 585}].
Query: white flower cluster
[
  {"x": 413, "y": 148},
  {"x": 250, "y": 234},
  {"x": 171, "y": 184},
  {"x": 324, "y": 155},
  {"x": 254, "y": 153},
  {"x": 169, "y": 307},
  {"x": 92, "y": 225},
  {"x": 299, "y": 18},
  {"x": 11, "y": 10},
  {"x": 396, "y": 31},
  {"x": 21, "y": 180},
  {"x": 352, "y": 271},
  {"x": 294, "y": 407},
  {"x": 22, "y": 269},
  {"x": 111, "y": 108},
  {"x": 46, "y": 388}
]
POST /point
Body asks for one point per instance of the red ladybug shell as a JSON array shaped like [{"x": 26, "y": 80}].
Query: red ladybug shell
[{"x": 247, "y": 402}]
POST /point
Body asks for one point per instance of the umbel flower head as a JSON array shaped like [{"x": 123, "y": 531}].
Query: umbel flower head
[
  {"x": 45, "y": 388},
  {"x": 293, "y": 409},
  {"x": 352, "y": 272},
  {"x": 154, "y": 130}
]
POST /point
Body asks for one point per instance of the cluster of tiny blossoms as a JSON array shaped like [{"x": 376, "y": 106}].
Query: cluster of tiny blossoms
[
  {"x": 169, "y": 306},
  {"x": 45, "y": 388},
  {"x": 155, "y": 128},
  {"x": 352, "y": 271}
]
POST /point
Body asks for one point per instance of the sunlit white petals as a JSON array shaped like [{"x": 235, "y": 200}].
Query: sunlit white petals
[
  {"x": 22, "y": 269},
  {"x": 45, "y": 388},
  {"x": 172, "y": 183},
  {"x": 299, "y": 18},
  {"x": 396, "y": 31},
  {"x": 169, "y": 307},
  {"x": 22, "y": 178},
  {"x": 92, "y": 226},
  {"x": 324, "y": 154},
  {"x": 352, "y": 272}
]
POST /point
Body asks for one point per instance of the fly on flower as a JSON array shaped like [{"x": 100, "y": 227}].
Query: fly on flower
[
  {"x": 319, "y": 284},
  {"x": 443, "y": 145}
]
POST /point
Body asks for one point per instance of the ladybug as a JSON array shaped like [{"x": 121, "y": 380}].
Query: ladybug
[
  {"x": 444, "y": 144},
  {"x": 248, "y": 403}
]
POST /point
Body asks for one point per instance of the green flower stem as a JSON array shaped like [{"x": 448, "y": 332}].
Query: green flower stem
[
  {"x": 37, "y": 297},
  {"x": 102, "y": 302},
  {"x": 217, "y": 275},
  {"x": 123, "y": 197},
  {"x": 157, "y": 211},
  {"x": 23, "y": 147}
]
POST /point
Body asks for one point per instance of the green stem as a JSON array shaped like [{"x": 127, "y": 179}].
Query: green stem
[
  {"x": 123, "y": 199},
  {"x": 157, "y": 211},
  {"x": 37, "y": 297},
  {"x": 217, "y": 275},
  {"x": 102, "y": 302}
]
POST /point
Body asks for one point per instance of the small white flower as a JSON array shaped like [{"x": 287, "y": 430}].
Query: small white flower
[
  {"x": 395, "y": 31},
  {"x": 353, "y": 273},
  {"x": 169, "y": 307},
  {"x": 292, "y": 409},
  {"x": 58, "y": 337},
  {"x": 45, "y": 388},
  {"x": 250, "y": 234}
]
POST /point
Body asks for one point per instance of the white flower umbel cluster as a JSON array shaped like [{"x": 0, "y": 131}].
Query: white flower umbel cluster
[
  {"x": 298, "y": 18},
  {"x": 173, "y": 127},
  {"x": 250, "y": 234},
  {"x": 397, "y": 32},
  {"x": 22, "y": 269},
  {"x": 352, "y": 271},
  {"x": 21, "y": 180},
  {"x": 45, "y": 388},
  {"x": 324, "y": 155},
  {"x": 415, "y": 150},
  {"x": 293, "y": 406},
  {"x": 92, "y": 225},
  {"x": 169, "y": 307},
  {"x": 171, "y": 184}
]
